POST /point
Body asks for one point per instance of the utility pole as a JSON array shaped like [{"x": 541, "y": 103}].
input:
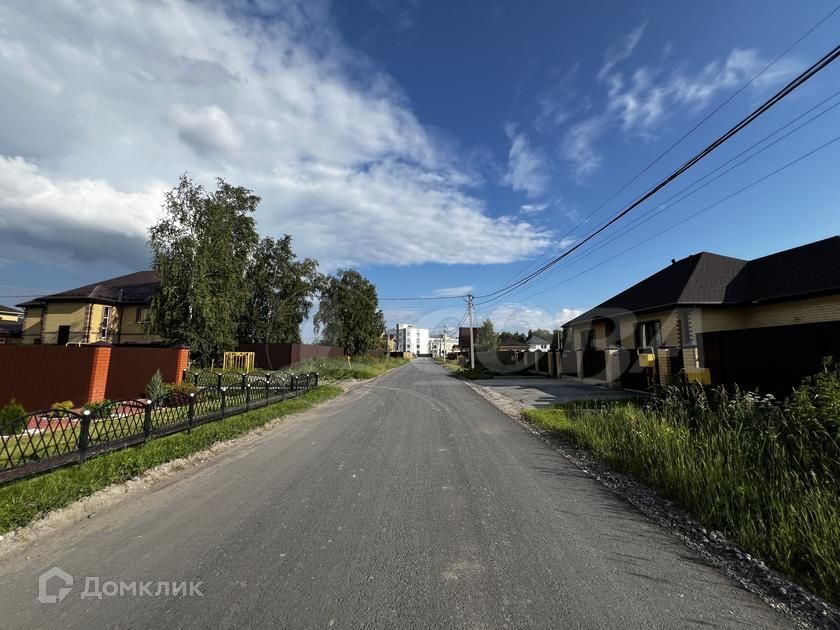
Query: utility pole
[{"x": 472, "y": 339}]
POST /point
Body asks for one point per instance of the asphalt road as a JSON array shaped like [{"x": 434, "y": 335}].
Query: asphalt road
[{"x": 409, "y": 502}]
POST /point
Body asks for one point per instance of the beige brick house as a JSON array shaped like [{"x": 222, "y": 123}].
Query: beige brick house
[
  {"x": 114, "y": 310},
  {"x": 762, "y": 323}
]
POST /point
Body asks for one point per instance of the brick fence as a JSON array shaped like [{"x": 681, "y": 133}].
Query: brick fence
[{"x": 37, "y": 376}]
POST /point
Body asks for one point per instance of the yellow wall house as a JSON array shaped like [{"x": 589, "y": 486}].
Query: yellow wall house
[
  {"x": 114, "y": 310},
  {"x": 763, "y": 323}
]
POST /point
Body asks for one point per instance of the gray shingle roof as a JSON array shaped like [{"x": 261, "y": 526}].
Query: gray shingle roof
[
  {"x": 10, "y": 309},
  {"x": 707, "y": 278},
  {"x": 134, "y": 288}
]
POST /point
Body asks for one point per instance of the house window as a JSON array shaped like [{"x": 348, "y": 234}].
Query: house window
[
  {"x": 105, "y": 328},
  {"x": 648, "y": 335},
  {"x": 142, "y": 316}
]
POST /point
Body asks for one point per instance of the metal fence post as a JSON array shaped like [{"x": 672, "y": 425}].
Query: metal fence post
[
  {"x": 223, "y": 390},
  {"x": 191, "y": 412},
  {"x": 147, "y": 421},
  {"x": 267, "y": 391},
  {"x": 292, "y": 382},
  {"x": 247, "y": 396},
  {"x": 84, "y": 435},
  {"x": 316, "y": 379},
  {"x": 219, "y": 380}
]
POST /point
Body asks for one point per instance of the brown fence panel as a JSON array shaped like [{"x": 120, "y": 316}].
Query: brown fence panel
[
  {"x": 773, "y": 359},
  {"x": 37, "y": 376},
  {"x": 131, "y": 368},
  {"x": 594, "y": 364},
  {"x": 277, "y": 356}
]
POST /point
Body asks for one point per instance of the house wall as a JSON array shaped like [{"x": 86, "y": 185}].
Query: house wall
[
  {"x": 31, "y": 324},
  {"x": 807, "y": 311},
  {"x": 73, "y": 314},
  {"x": 8, "y": 317},
  {"x": 131, "y": 332}
]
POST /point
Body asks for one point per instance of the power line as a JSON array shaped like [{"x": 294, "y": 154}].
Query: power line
[
  {"x": 800, "y": 80},
  {"x": 679, "y": 141},
  {"x": 665, "y": 205},
  {"x": 694, "y": 214}
]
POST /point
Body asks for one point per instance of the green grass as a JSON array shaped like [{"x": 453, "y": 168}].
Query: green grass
[
  {"x": 465, "y": 372},
  {"x": 751, "y": 472},
  {"x": 25, "y": 500}
]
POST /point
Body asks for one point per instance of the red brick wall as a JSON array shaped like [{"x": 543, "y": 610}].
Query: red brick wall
[
  {"x": 131, "y": 368},
  {"x": 37, "y": 376}
]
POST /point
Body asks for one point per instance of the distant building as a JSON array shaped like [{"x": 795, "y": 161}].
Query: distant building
[
  {"x": 11, "y": 322},
  {"x": 440, "y": 345},
  {"x": 412, "y": 339},
  {"x": 464, "y": 337},
  {"x": 538, "y": 343}
]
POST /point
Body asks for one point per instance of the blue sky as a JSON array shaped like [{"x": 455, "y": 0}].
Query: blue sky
[{"x": 434, "y": 147}]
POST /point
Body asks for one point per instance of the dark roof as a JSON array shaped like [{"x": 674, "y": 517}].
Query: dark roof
[
  {"x": 706, "y": 278},
  {"x": 537, "y": 341},
  {"x": 134, "y": 288},
  {"x": 10, "y": 309},
  {"x": 514, "y": 345}
]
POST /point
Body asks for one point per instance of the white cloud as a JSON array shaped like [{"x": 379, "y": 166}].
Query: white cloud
[
  {"x": 566, "y": 243},
  {"x": 533, "y": 208},
  {"x": 110, "y": 103},
  {"x": 520, "y": 318},
  {"x": 527, "y": 165},
  {"x": 621, "y": 51},
  {"x": 452, "y": 291},
  {"x": 637, "y": 103}
]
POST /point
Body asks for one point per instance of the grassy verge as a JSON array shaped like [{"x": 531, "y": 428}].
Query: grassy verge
[
  {"x": 361, "y": 368},
  {"x": 27, "y": 499},
  {"x": 465, "y": 372},
  {"x": 745, "y": 468}
]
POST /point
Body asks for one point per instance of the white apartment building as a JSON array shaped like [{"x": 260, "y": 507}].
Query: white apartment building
[
  {"x": 412, "y": 339},
  {"x": 441, "y": 345}
]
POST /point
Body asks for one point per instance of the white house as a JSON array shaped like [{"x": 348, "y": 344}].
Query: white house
[
  {"x": 412, "y": 339},
  {"x": 538, "y": 343},
  {"x": 440, "y": 345}
]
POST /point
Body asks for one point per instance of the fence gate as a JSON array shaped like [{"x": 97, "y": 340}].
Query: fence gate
[{"x": 239, "y": 361}]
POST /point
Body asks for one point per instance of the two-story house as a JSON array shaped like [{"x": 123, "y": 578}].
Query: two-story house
[{"x": 114, "y": 311}]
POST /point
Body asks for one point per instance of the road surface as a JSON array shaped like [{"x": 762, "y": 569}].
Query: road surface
[{"x": 409, "y": 502}]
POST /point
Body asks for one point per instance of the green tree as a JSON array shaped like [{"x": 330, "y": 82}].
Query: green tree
[
  {"x": 201, "y": 249},
  {"x": 511, "y": 337},
  {"x": 280, "y": 290},
  {"x": 542, "y": 333},
  {"x": 348, "y": 314},
  {"x": 487, "y": 339}
]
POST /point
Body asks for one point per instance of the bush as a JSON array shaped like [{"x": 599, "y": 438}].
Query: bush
[
  {"x": 11, "y": 420},
  {"x": 66, "y": 405},
  {"x": 156, "y": 387},
  {"x": 183, "y": 388},
  {"x": 98, "y": 407}
]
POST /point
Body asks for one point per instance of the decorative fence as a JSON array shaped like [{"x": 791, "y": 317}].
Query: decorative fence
[{"x": 55, "y": 437}]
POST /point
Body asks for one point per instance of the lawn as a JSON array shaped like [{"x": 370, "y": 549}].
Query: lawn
[
  {"x": 25, "y": 500},
  {"x": 764, "y": 473}
]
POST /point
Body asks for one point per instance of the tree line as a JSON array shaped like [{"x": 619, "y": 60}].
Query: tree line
[
  {"x": 489, "y": 339},
  {"x": 222, "y": 285}
]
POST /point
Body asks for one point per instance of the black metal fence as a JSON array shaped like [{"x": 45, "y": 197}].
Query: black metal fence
[{"x": 48, "y": 439}]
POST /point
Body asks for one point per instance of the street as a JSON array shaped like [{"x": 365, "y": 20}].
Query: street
[{"x": 408, "y": 502}]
